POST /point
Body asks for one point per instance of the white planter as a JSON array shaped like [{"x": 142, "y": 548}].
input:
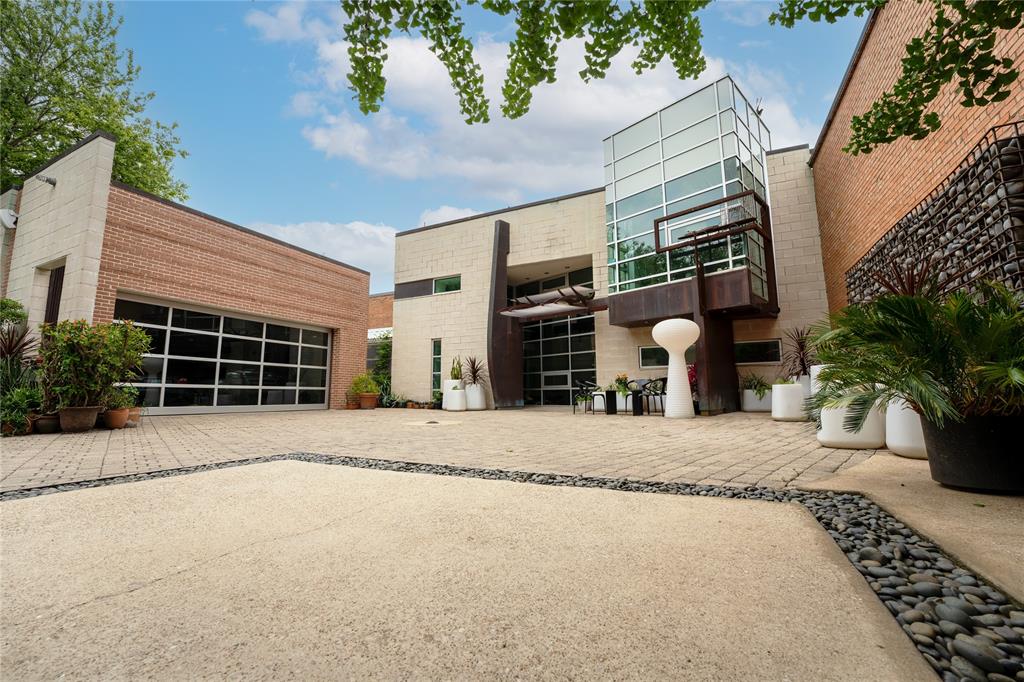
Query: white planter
[
  {"x": 749, "y": 402},
  {"x": 456, "y": 401},
  {"x": 476, "y": 397},
  {"x": 815, "y": 371},
  {"x": 804, "y": 381},
  {"x": 447, "y": 385},
  {"x": 833, "y": 435},
  {"x": 788, "y": 403},
  {"x": 903, "y": 433}
]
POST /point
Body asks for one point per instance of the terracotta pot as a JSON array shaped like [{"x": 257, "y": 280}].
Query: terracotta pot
[
  {"x": 77, "y": 419},
  {"x": 116, "y": 419},
  {"x": 410, "y": 405},
  {"x": 134, "y": 416},
  {"x": 367, "y": 401},
  {"x": 47, "y": 423}
]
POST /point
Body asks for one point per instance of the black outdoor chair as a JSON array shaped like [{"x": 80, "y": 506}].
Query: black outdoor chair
[
  {"x": 586, "y": 389},
  {"x": 654, "y": 389}
]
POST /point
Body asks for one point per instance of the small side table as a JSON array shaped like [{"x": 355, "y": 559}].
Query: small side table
[
  {"x": 638, "y": 405},
  {"x": 610, "y": 406}
]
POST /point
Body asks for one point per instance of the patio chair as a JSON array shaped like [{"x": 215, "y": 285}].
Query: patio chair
[
  {"x": 654, "y": 392},
  {"x": 586, "y": 389}
]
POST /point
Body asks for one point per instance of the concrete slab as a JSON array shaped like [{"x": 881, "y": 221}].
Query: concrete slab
[
  {"x": 984, "y": 532},
  {"x": 310, "y": 571}
]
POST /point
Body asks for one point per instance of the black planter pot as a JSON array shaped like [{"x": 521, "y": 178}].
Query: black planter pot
[{"x": 979, "y": 453}]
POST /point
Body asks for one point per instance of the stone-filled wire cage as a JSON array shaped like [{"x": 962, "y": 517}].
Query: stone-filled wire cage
[{"x": 970, "y": 227}]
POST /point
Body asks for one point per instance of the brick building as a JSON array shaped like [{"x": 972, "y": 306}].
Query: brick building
[
  {"x": 682, "y": 229},
  {"x": 238, "y": 321},
  {"x": 861, "y": 198}
]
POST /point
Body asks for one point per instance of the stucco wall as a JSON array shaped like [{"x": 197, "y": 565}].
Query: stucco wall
[
  {"x": 63, "y": 225},
  {"x": 860, "y": 197}
]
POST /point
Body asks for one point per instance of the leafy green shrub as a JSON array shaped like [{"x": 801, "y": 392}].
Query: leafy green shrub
[
  {"x": 12, "y": 312},
  {"x": 16, "y": 406},
  {"x": 120, "y": 397},
  {"x": 17, "y": 357},
  {"x": 755, "y": 383},
  {"x": 364, "y": 383},
  {"x": 81, "y": 362},
  {"x": 950, "y": 358}
]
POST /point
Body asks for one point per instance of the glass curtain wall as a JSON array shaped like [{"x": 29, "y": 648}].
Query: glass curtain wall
[
  {"x": 706, "y": 146},
  {"x": 557, "y": 352}
]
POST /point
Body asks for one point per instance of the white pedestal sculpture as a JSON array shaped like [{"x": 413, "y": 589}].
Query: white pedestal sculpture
[{"x": 676, "y": 336}]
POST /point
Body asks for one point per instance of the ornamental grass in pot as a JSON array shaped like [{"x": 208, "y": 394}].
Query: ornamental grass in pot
[
  {"x": 474, "y": 375},
  {"x": 956, "y": 359}
]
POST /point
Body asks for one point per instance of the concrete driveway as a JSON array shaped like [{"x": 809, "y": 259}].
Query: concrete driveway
[{"x": 310, "y": 571}]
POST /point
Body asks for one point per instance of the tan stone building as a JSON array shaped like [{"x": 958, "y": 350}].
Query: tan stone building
[
  {"x": 238, "y": 321},
  {"x": 682, "y": 229}
]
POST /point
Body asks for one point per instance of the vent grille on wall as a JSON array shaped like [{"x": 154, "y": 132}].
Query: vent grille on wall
[{"x": 971, "y": 227}]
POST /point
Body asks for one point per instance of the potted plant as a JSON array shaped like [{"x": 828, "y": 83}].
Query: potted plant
[
  {"x": 134, "y": 409},
  {"x": 474, "y": 376},
  {"x": 454, "y": 379},
  {"x": 755, "y": 394},
  {"x": 957, "y": 360},
  {"x": 411, "y": 405},
  {"x": 788, "y": 401},
  {"x": 80, "y": 362},
  {"x": 798, "y": 357},
  {"x": 117, "y": 402},
  {"x": 366, "y": 389},
  {"x": 437, "y": 400},
  {"x": 18, "y": 406}
]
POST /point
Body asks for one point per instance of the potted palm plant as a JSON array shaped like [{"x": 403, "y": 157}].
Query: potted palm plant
[
  {"x": 454, "y": 381},
  {"x": 957, "y": 360},
  {"x": 474, "y": 374},
  {"x": 798, "y": 357},
  {"x": 755, "y": 394}
]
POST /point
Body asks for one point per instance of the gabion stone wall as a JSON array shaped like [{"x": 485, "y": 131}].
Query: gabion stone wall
[{"x": 971, "y": 226}]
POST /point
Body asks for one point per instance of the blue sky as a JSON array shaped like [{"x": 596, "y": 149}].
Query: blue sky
[{"x": 276, "y": 142}]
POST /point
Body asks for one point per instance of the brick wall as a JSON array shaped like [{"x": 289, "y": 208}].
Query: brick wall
[
  {"x": 162, "y": 250},
  {"x": 860, "y": 198},
  {"x": 381, "y": 311}
]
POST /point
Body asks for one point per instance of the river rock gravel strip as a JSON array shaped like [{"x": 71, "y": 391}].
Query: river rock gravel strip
[{"x": 966, "y": 629}]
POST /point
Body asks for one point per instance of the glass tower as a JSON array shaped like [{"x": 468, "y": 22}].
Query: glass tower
[{"x": 708, "y": 145}]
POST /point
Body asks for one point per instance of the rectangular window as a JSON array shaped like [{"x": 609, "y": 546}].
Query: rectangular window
[
  {"x": 435, "y": 364},
  {"x": 753, "y": 352},
  {"x": 445, "y": 284},
  {"x": 653, "y": 357}
]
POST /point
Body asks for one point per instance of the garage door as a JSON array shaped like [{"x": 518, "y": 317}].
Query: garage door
[{"x": 201, "y": 360}]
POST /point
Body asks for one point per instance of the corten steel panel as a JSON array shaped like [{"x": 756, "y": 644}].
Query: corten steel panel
[
  {"x": 504, "y": 334},
  {"x": 717, "y": 380},
  {"x": 420, "y": 287},
  {"x": 725, "y": 291}
]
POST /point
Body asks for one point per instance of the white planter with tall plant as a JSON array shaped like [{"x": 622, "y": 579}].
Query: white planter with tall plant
[
  {"x": 474, "y": 375},
  {"x": 755, "y": 394},
  {"x": 451, "y": 384},
  {"x": 798, "y": 357},
  {"x": 788, "y": 403},
  {"x": 457, "y": 400}
]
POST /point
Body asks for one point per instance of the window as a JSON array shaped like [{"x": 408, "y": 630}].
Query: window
[
  {"x": 435, "y": 364},
  {"x": 445, "y": 284},
  {"x": 653, "y": 357},
  {"x": 752, "y": 352}
]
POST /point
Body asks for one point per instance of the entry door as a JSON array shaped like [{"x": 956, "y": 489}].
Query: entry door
[{"x": 53, "y": 293}]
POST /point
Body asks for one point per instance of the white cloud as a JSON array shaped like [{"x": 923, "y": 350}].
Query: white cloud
[
  {"x": 555, "y": 148},
  {"x": 443, "y": 214},
  {"x": 746, "y": 12},
  {"x": 364, "y": 245},
  {"x": 754, "y": 44}
]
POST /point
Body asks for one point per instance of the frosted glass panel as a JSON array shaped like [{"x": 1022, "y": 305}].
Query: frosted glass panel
[
  {"x": 636, "y": 137},
  {"x": 637, "y": 161},
  {"x": 684, "y": 113},
  {"x": 693, "y": 182},
  {"x": 724, "y": 93},
  {"x": 728, "y": 121},
  {"x": 638, "y": 182},
  {"x": 609, "y": 194},
  {"x": 608, "y": 174},
  {"x": 691, "y": 137},
  {"x": 692, "y": 160},
  {"x": 608, "y": 151},
  {"x": 729, "y": 145}
]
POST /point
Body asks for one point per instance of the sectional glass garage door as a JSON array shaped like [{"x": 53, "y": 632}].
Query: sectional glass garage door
[{"x": 203, "y": 361}]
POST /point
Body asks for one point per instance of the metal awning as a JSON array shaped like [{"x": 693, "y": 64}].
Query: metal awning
[{"x": 565, "y": 301}]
